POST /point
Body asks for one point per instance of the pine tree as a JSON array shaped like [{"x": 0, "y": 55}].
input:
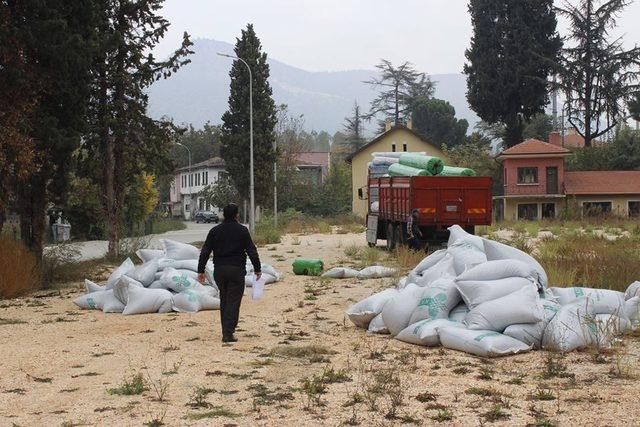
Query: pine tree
[
  {"x": 123, "y": 138},
  {"x": 513, "y": 51},
  {"x": 597, "y": 75},
  {"x": 354, "y": 128},
  {"x": 435, "y": 119},
  {"x": 399, "y": 87},
  {"x": 235, "y": 127}
]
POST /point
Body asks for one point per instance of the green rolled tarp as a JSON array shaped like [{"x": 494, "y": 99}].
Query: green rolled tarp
[
  {"x": 398, "y": 169},
  {"x": 455, "y": 171},
  {"x": 431, "y": 164}
]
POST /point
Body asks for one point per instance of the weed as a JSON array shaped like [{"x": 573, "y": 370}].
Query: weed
[
  {"x": 519, "y": 380},
  {"x": 352, "y": 251},
  {"x": 544, "y": 422},
  {"x": 199, "y": 397},
  {"x": 496, "y": 413},
  {"x": 544, "y": 394},
  {"x": 217, "y": 411},
  {"x": 486, "y": 373},
  {"x": 313, "y": 388},
  {"x": 554, "y": 366},
  {"x": 443, "y": 415},
  {"x": 426, "y": 397},
  {"x": 169, "y": 348},
  {"x": 330, "y": 376},
  {"x": 481, "y": 391},
  {"x": 310, "y": 351},
  {"x": 263, "y": 396},
  {"x": 5, "y": 321},
  {"x": 130, "y": 386}
]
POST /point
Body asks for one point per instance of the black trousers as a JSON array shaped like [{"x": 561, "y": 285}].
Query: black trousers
[
  {"x": 415, "y": 244},
  {"x": 230, "y": 281}
]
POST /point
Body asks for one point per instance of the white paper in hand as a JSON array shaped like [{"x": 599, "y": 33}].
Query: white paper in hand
[{"x": 257, "y": 290}]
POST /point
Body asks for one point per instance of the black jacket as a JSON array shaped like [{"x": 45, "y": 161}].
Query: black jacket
[{"x": 230, "y": 243}]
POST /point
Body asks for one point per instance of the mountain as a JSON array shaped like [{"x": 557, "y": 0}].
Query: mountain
[{"x": 198, "y": 92}]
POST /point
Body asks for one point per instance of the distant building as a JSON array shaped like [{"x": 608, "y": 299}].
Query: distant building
[
  {"x": 395, "y": 138},
  {"x": 536, "y": 186},
  {"x": 570, "y": 139},
  {"x": 313, "y": 166},
  {"x": 188, "y": 182}
]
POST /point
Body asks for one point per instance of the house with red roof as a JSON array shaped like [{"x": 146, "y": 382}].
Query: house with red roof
[{"x": 536, "y": 186}]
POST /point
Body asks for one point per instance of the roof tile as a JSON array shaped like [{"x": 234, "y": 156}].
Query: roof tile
[
  {"x": 534, "y": 146},
  {"x": 602, "y": 182}
]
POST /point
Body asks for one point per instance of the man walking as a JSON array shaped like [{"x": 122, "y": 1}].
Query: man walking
[
  {"x": 414, "y": 233},
  {"x": 230, "y": 243}
]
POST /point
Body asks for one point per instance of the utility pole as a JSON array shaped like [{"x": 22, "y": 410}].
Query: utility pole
[
  {"x": 189, "y": 181},
  {"x": 275, "y": 185},
  {"x": 252, "y": 203},
  {"x": 554, "y": 103}
]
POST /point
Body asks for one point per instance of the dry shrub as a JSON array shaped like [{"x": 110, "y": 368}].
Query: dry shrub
[
  {"x": 590, "y": 261},
  {"x": 19, "y": 271},
  {"x": 407, "y": 258}
]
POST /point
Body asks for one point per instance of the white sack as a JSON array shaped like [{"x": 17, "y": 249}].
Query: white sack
[
  {"x": 597, "y": 296},
  {"x": 121, "y": 289},
  {"x": 531, "y": 333},
  {"x": 125, "y": 267},
  {"x": 149, "y": 254},
  {"x": 632, "y": 311},
  {"x": 474, "y": 292},
  {"x": 465, "y": 255},
  {"x": 143, "y": 300},
  {"x": 443, "y": 269},
  {"x": 480, "y": 343},
  {"x": 156, "y": 284},
  {"x": 385, "y": 160},
  {"x": 498, "y": 269},
  {"x": 397, "y": 312},
  {"x": 178, "y": 281},
  {"x": 402, "y": 283},
  {"x": 425, "y": 332},
  {"x": 436, "y": 301},
  {"x": 194, "y": 300},
  {"x": 100, "y": 300},
  {"x": 144, "y": 273},
  {"x": 457, "y": 233},
  {"x": 178, "y": 264},
  {"x": 361, "y": 313},
  {"x": 522, "y": 306},
  {"x": 90, "y": 287},
  {"x": 375, "y": 206},
  {"x": 341, "y": 273},
  {"x": 257, "y": 287},
  {"x": 394, "y": 154},
  {"x": 177, "y": 250},
  {"x": 377, "y": 326},
  {"x": 376, "y": 271},
  {"x": 496, "y": 251},
  {"x": 633, "y": 290},
  {"x": 189, "y": 273},
  {"x": 459, "y": 313},
  {"x": 250, "y": 278},
  {"x": 429, "y": 261},
  {"x": 569, "y": 328}
]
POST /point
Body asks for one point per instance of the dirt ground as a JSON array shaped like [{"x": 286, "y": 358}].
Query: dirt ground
[{"x": 59, "y": 365}]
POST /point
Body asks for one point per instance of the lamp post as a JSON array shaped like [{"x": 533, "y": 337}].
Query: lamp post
[
  {"x": 188, "y": 180},
  {"x": 252, "y": 208},
  {"x": 275, "y": 184}
]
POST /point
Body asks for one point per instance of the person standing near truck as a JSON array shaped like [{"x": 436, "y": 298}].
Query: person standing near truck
[
  {"x": 230, "y": 243},
  {"x": 413, "y": 232}
]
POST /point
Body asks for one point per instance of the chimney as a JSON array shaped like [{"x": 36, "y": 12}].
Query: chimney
[
  {"x": 387, "y": 126},
  {"x": 555, "y": 138},
  {"x": 409, "y": 124}
]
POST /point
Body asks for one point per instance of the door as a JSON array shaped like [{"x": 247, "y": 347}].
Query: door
[
  {"x": 552, "y": 180},
  {"x": 450, "y": 206},
  {"x": 548, "y": 210}
]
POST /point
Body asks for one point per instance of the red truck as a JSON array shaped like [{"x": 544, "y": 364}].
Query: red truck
[{"x": 440, "y": 200}]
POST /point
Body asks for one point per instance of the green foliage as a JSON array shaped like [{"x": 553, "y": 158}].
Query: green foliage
[
  {"x": 235, "y": 128},
  {"x": 354, "y": 130},
  {"x": 538, "y": 127},
  {"x": 623, "y": 153},
  {"x": 204, "y": 144},
  {"x": 130, "y": 386},
  {"x": 399, "y": 87},
  {"x": 83, "y": 209},
  {"x": 597, "y": 75},
  {"x": 513, "y": 51},
  {"x": 435, "y": 119},
  {"x": 474, "y": 153},
  {"x": 221, "y": 193}
]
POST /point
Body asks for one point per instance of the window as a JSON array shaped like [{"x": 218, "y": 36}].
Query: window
[
  {"x": 527, "y": 175},
  {"x": 528, "y": 211},
  {"x": 393, "y": 147},
  {"x": 548, "y": 210},
  {"x": 596, "y": 208},
  {"x": 206, "y": 177},
  {"x": 634, "y": 209},
  {"x": 404, "y": 147}
]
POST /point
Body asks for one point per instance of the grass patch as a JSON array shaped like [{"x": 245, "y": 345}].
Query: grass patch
[
  {"x": 5, "y": 321},
  {"x": 406, "y": 258},
  {"x": 482, "y": 391},
  {"x": 217, "y": 411},
  {"x": 496, "y": 413},
  {"x": 162, "y": 225},
  {"x": 130, "y": 386},
  {"x": 313, "y": 352}
]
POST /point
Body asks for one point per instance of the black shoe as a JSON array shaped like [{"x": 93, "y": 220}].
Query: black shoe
[{"x": 229, "y": 338}]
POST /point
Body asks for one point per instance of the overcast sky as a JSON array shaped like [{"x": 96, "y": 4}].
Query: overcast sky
[{"x": 330, "y": 35}]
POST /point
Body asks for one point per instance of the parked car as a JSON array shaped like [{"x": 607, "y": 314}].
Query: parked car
[{"x": 206, "y": 216}]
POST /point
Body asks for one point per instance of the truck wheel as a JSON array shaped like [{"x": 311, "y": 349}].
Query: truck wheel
[
  {"x": 371, "y": 245},
  {"x": 391, "y": 237}
]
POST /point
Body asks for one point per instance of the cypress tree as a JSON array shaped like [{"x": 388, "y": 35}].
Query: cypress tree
[
  {"x": 513, "y": 51},
  {"x": 235, "y": 127}
]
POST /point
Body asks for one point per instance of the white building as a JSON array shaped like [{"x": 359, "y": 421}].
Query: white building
[{"x": 188, "y": 182}]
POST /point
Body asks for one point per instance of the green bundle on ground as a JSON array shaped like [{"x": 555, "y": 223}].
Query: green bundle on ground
[
  {"x": 456, "y": 171},
  {"x": 433, "y": 165},
  {"x": 398, "y": 169}
]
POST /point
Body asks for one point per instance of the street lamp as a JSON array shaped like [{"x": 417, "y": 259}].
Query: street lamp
[
  {"x": 252, "y": 211},
  {"x": 188, "y": 180}
]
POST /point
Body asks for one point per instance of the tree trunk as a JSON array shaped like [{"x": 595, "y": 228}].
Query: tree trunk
[
  {"x": 33, "y": 204},
  {"x": 513, "y": 130}
]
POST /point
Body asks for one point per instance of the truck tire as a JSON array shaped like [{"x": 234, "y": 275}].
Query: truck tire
[{"x": 391, "y": 237}]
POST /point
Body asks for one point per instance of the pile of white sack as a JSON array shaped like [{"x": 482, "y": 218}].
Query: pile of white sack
[
  {"x": 372, "y": 272},
  {"x": 490, "y": 299},
  {"x": 165, "y": 281}
]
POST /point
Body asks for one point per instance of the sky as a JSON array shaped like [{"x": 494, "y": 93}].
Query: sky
[{"x": 332, "y": 35}]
